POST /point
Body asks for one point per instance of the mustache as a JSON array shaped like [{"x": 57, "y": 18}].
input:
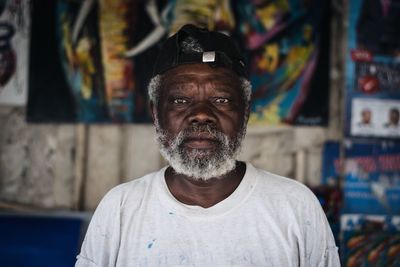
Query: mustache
[{"x": 205, "y": 131}]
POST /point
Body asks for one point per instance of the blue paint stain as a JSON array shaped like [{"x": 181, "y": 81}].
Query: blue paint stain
[
  {"x": 183, "y": 259},
  {"x": 151, "y": 244}
]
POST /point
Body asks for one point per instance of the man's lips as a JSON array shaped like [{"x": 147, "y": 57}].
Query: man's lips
[
  {"x": 200, "y": 135},
  {"x": 200, "y": 141}
]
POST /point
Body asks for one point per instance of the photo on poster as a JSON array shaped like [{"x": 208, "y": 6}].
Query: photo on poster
[
  {"x": 375, "y": 117},
  {"x": 14, "y": 46}
]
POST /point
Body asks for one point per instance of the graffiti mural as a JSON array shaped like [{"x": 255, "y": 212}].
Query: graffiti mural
[
  {"x": 286, "y": 48},
  {"x": 102, "y": 50},
  {"x": 14, "y": 39}
]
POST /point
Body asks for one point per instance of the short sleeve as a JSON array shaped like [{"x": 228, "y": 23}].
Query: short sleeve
[
  {"x": 84, "y": 262},
  {"x": 320, "y": 247},
  {"x": 330, "y": 258},
  {"x": 101, "y": 242}
]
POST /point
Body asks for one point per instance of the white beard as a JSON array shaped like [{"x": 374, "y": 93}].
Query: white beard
[{"x": 197, "y": 163}]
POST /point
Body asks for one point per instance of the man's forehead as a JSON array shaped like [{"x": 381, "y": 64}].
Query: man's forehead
[{"x": 192, "y": 73}]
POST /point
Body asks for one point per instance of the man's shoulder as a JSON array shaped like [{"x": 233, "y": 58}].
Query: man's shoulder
[
  {"x": 131, "y": 191},
  {"x": 277, "y": 185},
  {"x": 276, "y": 181},
  {"x": 286, "y": 194}
]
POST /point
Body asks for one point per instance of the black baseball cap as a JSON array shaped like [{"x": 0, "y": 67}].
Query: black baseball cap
[{"x": 219, "y": 51}]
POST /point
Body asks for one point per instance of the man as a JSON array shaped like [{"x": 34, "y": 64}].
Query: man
[
  {"x": 394, "y": 118},
  {"x": 366, "y": 118},
  {"x": 206, "y": 208}
]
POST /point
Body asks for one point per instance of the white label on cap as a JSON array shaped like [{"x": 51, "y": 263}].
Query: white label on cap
[{"x": 209, "y": 56}]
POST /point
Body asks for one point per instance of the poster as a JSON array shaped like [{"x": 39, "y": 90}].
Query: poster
[
  {"x": 90, "y": 59},
  {"x": 14, "y": 43},
  {"x": 370, "y": 240},
  {"x": 77, "y": 71},
  {"x": 373, "y": 69},
  {"x": 371, "y": 175},
  {"x": 287, "y": 46},
  {"x": 331, "y": 163}
]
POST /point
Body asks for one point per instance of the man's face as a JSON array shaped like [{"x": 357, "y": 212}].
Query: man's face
[
  {"x": 366, "y": 116},
  {"x": 200, "y": 119},
  {"x": 394, "y": 117}
]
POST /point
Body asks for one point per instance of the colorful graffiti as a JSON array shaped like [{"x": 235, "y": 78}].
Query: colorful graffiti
[
  {"x": 105, "y": 48},
  {"x": 283, "y": 41}
]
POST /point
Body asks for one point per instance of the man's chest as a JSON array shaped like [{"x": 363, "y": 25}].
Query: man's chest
[{"x": 233, "y": 240}]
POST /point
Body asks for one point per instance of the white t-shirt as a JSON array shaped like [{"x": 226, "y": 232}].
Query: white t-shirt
[{"x": 267, "y": 221}]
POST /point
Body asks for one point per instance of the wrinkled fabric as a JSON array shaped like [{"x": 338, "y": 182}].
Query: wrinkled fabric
[{"x": 267, "y": 221}]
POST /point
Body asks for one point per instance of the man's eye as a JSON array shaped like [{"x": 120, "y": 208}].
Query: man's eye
[
  {"x": 180, "y": 101},
  {"x": 222, "y": 100}
]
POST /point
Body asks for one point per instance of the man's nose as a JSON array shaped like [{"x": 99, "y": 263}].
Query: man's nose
[{"x": 202, "y": 113}]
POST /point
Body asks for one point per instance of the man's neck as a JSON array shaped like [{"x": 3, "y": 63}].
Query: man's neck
[{"x": 204, "y": 193}]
